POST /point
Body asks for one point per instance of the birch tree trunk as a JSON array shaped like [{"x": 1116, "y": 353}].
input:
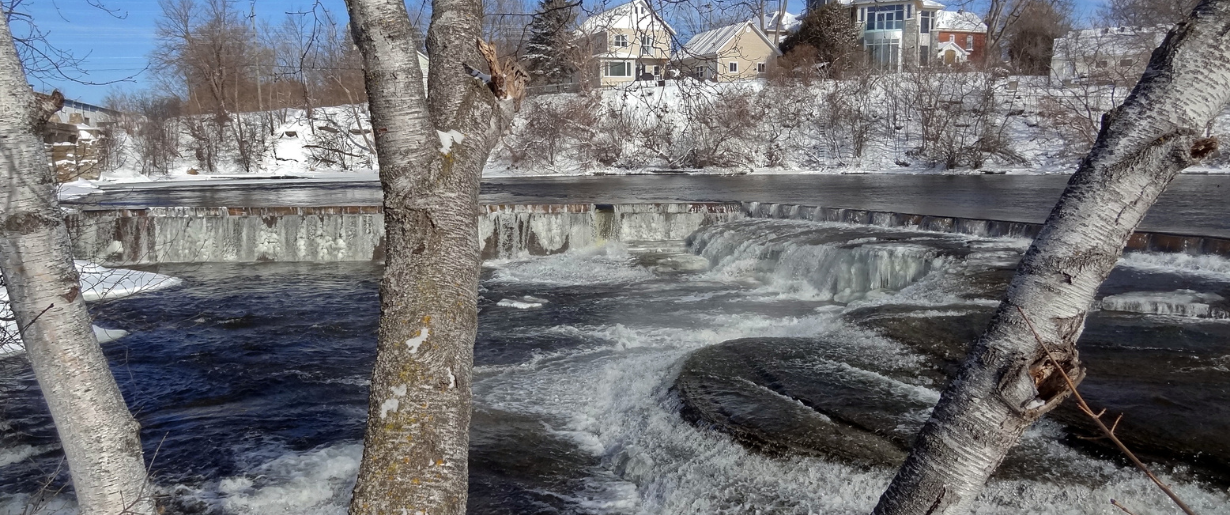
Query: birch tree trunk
[
  {"x": 100, "y": 438},
  {"x": 431, "y": 152},
  {"x": 1007, "y": 382}
]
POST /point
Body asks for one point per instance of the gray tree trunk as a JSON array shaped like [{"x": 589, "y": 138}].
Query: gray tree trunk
[
  {"x": 1006, "y": 382},
  {"x": 431, "y": 152},
  {"x": 99, "y": 436}
]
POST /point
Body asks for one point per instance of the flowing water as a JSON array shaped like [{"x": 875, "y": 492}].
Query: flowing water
[{"x": 707, "y": 376}]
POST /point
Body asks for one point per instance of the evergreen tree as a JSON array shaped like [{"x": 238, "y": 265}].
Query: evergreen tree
[
  {"x": 830, "y": 30},
  {"x": 550, "y": 44}
]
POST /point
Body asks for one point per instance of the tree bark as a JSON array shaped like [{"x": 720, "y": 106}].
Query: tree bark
[
  {"x": 100, "y": 438},
  {"x": 1006, "y": 382},
  {"x": 431, "y": 152}
]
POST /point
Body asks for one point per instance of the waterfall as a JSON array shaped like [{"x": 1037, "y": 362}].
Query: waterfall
[{"x": 833, "y": 262}]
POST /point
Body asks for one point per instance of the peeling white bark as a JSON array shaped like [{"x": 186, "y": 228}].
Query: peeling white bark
[
  {"x": 100, "y": 438},
  {"x": 1006, "y": 383},
  {"x": 431, "y": 151}
]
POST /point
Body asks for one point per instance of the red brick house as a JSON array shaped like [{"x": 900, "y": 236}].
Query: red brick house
[{"x": 961, "y": 37}]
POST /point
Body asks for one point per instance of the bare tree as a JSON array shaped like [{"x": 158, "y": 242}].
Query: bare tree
[
  {"x": 1146, "y": 13},
  {"x": 431, "y": 147},
  {"x": 1011, "y": 376},
  {"x": 101, "y": 440}
]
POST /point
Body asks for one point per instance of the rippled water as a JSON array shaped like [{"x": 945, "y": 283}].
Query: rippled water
[{"x": 250, "y": 380}]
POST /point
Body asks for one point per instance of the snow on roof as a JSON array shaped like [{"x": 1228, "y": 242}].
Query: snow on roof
[
  {"x": 789, "y": 22},
  {"x": 963, "y": 21},
  {"x": 709, "y": 43},
  {"x": 926, "y": 4},
  {"x": 634, "y": 15},
  {"x": 1110, "y": 41}
]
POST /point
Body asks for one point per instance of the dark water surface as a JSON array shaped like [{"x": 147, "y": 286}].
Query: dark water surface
[
  {"x": 250, "y": 380},
  {"x": 1193, "y": 204}
]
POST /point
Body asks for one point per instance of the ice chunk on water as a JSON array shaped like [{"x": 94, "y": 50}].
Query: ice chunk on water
[
  {"x": 526, "y": 302},
  {"x": 1185, "y": 303}
]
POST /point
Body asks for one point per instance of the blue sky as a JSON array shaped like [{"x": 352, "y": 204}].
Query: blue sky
[{"x": 118, "y": 48}]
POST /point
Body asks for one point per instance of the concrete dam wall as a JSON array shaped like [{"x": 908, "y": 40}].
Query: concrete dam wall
[
  {"x": 1140, "y": 240},
  {"x": 356, "y": 233}
]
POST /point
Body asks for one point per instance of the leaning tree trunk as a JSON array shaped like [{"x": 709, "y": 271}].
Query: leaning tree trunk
[
  {"x": 1007, "y": 381},
  {"x": 431, "y": 153},
  {"x": 100, "y": 438}
]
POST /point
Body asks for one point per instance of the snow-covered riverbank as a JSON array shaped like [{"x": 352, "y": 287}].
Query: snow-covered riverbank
[{"x": 97, "y": 283}]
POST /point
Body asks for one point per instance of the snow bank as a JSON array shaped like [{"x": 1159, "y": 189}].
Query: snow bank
[
  {"x": 701, "y": 127},
  {"x": 97, "y": 283},
  {"x": 77, "y": 189}
]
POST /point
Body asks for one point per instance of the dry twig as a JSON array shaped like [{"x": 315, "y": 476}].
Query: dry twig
[{"x": 1097, "y": 419}]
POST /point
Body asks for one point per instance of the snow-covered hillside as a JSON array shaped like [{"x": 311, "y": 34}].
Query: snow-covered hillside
[{"x": 912, "y": 123}]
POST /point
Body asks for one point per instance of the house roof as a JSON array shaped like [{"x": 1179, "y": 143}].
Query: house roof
[
  {"x": 926, "y": 4},
  {"x": 789, "y": 22},
  {"x": 633, "y": 15},
  {"x": 949, "y": 45},
  {"x": 1110, "y": 41},
  {"x": 959, "y": 21},
  {"x": 709, "y": 43}
]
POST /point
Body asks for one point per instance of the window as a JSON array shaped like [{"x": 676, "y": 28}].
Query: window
[
  {"x": 621, "y": 40},
  {"x": 952, "y": 38},
  {"x": 861, "y": 14},
  {"x": 646, "y": 45},
  {"x": 618, "y": 69},
  {"x": 886, "y": 17},
  {"x": 759, "y": 67},
  {"x": 734, "y": 67},
  {"x": 969, "y": 42},
  {"x": 924, "y": 22},
  {"x": 909, "y": 11},
  {"x": 884, "y": 53},
  {"x": 1127, "y": 63},
  {"x": 1102, "y": 64}
]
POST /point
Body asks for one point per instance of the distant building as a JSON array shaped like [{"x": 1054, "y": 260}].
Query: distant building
[
  {"x": 775, "y": 29},
  {"x": 734, "y": 52},
  {"x": 895, "y": 33},
  {"x": 627, "y": 42},
  {"x": 1106, "y": 55},
  {"x": 961, "y": 37}
]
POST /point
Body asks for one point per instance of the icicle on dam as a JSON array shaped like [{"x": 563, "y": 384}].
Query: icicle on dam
[{"x": 356, "y": 233}]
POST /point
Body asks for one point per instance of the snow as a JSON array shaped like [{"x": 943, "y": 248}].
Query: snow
[
  {"x": 522, "y": 303},
  {"x": 97, "y": 283},
  {"x": 963, "y": 21},
  {"x": 417, "y": 341},
  {"x": 448, "y": 139},
  {"x": 388, "y": 405},
  {"x": 77, "y": 189},
  {"x": 1185, "y": 303},
  {"x": 659, "y": 124}
]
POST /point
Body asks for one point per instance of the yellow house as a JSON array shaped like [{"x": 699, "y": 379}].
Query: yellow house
[
  {"x": 627, "y": 42},
  {"x": 734, "y": 52}
]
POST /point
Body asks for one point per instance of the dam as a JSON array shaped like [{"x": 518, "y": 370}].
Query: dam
[
  {"x": 659, "y": 352},
  {"x": 158, "y": 235}
]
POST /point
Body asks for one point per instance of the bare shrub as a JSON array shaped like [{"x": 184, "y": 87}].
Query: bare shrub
[
  {"x": 553, "y": 129},
  {"x": 961, "y": 119},
  {"x": 718, "y": 124}
]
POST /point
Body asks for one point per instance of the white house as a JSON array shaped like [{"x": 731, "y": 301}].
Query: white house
[
  {"x": 1113, "y": 54},
  {"x": 627, "y": 42}
]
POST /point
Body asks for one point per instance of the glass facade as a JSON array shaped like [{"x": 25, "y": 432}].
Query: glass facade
[{"x": 885, "y": 17}]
